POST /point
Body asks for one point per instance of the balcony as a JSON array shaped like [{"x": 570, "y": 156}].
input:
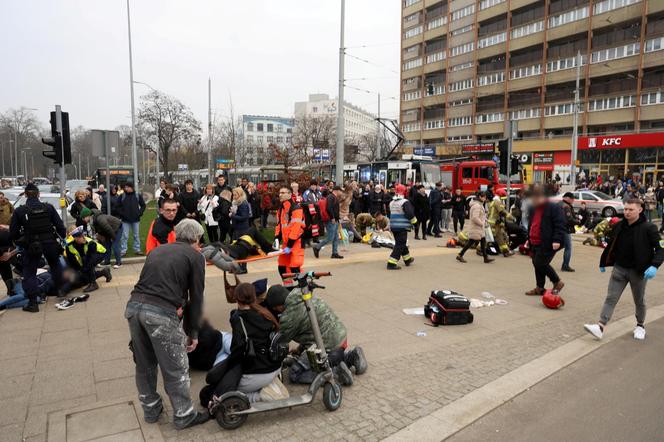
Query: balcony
[
  {"x": 611, "y": 116},
  {"x": 568, "y": 23},
  {"x": 527, "y": 40},
  {"x": 491, "y": 51},
  {"x": 525, "y": 83},
  {"x": 653, "y": 112},
  {"x": 489, "y": 128},
  {"x": 493, "y": 8},
  {"x": 436, "y": 56},
  {"x": 616, "y": 11}
]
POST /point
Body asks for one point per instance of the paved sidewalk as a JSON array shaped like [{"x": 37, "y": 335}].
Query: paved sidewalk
[
  {"x": 65, "y": 373},
  {"x": 613, "y": 394}
]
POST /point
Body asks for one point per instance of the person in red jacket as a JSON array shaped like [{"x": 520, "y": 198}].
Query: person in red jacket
[
  {"x": 289, "y": 231},
  {"x": 162, "y": 229}
]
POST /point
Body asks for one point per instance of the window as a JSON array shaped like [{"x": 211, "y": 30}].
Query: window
[
  {"x": 588, "y": 196},
  {"x": 461, "y": 85},
  {"x": 460, "y": 121},
  {"x": 462, "y": 30},
  {"x": 250, "y": 138},
  {"x": 496, "y": 77},
  {"x": 250, "y": 127},
  {"x": 528, "y": 29},
  {"x": 526, "y": 71},
  {"x": 564, "y": 63},
  {"x": 270, "y": 127},
  {"x": 467, "y": 172},
  {"x": 270, "y": 139},
  {"x": 280, "y": 139},
  {"x": 412, "y": 51},
  {"x": 492, "y": 40},
  {"x": 462, "y": 66},
  {"x": 492, "y": 117},
  {"x": 652, "y": 98},
  {"x": 289, "y": 139},
  {"x": 279, "y": 128},
  {"x": 459, "y": 138},
  {"x": 417, "y": 30},
  {"x": 314, "y": 109},
  {"x": 462, "y": 49},
  {"x": 434, "y": 124},
  {"x": 440, "y": 21},
  {"x": 408, "y": 3},
  {"x": 559, "y": 109},
  {"x": 259, "y": 140},
  {"x": 610, "y": 5},
  {"x": 438, "y": 56},
  {"x": 488, "y": 3},
  {"x": 615, "y": 53},
  {"x": 412, "y": 64},
  {"x": 655, "y": 44},
  {"x": 568, "y": 17},
  {"x": 414, "y": 95},
  {"x": 463, "y": 12},
  {"x": 524, "y": 114},
  {"x": 411, "y": 20},
  {"x": 462, "y": 102},
  {"x": 611, "y": 103},
  {"x": 486, "y": 173},
  {"x": 411, "y": 127},
  {"x": 289, "y": 130},
  {"x": 259, "y": 127},
  {"x": 437, "y": 90}
]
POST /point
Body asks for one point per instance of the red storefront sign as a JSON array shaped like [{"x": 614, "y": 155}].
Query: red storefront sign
[
  {"x": 655, "y": 139},
  {"x": 478, "y": 148}
]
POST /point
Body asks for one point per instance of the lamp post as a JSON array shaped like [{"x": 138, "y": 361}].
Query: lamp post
[{"x": 134, "y": 153}]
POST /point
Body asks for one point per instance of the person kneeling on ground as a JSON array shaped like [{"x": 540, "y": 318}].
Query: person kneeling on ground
[
  {"x": 83, "y": 254},
  {"x": 294, "y": 325},
  {"x": 249, "y": 367}
]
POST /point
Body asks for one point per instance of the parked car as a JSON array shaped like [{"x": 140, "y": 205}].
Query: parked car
[
  {"x": 596, "y": 201},
  {"x": 49, "y": 198}
]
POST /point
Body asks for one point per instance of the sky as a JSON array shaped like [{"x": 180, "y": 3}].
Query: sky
[{"x": 266, "y": 55}]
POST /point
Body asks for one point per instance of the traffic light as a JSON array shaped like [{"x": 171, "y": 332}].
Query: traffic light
[
  {"x": 57, "y": 141},
  {"x": 503, "y": 147},
  {"x": 514, "y": 167}
]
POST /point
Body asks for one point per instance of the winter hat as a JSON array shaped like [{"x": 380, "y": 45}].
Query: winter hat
[
  {"x": 86, "y": 212},
  {"x": 276, "y": 296},
  {"x": 31, "y": 186},
  {"x": 260, "y": 286}
]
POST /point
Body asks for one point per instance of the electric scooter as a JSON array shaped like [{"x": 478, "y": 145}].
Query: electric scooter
[{"x": 232, "y": 409}]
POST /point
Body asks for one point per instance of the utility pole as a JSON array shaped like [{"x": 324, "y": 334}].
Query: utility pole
[
  {"x": 63, "y": 174},
  {"x": 2, "y": 151},
  {"x": 340, "y": 108},
  {"x": 134, "y": 153},
  {"x": 575, "y": 125},
  {"x": 512, "y": 125},
  {"x": 378, "y": 140},
  {"x": 210, "y": 171}
]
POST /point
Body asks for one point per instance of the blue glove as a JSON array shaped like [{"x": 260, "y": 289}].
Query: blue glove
[
  {"x": 650, "y": 272},
  {"x": 286, "y": 250},
  {"x": 602, "y": 269}
]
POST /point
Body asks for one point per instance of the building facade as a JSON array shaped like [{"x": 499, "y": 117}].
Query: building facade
[
  {"x": 258, "y": 132},
  {"x": 358, "y": 123},
  {"x": 468, "y": 66}
]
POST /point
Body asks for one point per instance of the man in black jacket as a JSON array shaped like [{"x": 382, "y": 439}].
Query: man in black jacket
[
  {"x": 570, "y": 221},
  {"x": 170, "y": 289},
  {"x": 546, "y": 234},
  {"x": 635, "y": 253},
  {"x": 221, "y": 185},
  {"x": 188, "y": 200},
  {"x": 436, "y": 204},
  {"x": 332, "y": 227},
  {"x": 132, "y": 207}
]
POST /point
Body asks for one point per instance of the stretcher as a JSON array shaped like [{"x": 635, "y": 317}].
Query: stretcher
[{"x": 260, "y": 257}]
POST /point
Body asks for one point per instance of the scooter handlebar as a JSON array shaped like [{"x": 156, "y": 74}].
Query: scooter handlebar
[{"x": 314, "y": 275}]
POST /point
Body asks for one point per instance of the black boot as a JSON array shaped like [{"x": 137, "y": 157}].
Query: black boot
[
  {"x": 355, "y": 358},
  {"x": 32, "y": 307},
  {"x": 200, "y": 418},
  {"x": 343, "y": 374},
  {"x": 91, "y": 287}
]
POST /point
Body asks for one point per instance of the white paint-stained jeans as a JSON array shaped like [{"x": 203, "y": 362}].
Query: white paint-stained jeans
[{"x": 157, "y": 339}]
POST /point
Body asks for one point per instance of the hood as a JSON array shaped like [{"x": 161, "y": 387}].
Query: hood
[{"x": 476, "y": 202}]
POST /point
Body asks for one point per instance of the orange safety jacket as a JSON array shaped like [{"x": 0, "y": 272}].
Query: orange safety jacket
[
  {"x": 151, "y": 242},
  {"x": 289, "y": 230}
]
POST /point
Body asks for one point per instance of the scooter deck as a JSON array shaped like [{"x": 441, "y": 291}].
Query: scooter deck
[
  {"x": 258, "y": 407},
  {"x": 260, "y": 257}
]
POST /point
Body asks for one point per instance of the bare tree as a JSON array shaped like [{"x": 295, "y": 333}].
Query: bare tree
[
  {"x": 21, "y": 130},
  {"x": 168, "y": 121}
]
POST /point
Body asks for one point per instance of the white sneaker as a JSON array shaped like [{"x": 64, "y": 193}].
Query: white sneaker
[
  {"x": 595, "y": 330},
  {"x": 639, "y": 333},
  {"x": 117, "y": 266}
]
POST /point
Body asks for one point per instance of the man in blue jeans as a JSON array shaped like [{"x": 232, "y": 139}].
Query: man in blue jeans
[
  {"x": 332, "y": 226},
  {"x": 132, "y": 207},
  {"x": 571, "y": 221}
]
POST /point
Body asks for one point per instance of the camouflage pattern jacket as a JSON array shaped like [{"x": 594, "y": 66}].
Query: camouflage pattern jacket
[{"x": 294, "y": 322}]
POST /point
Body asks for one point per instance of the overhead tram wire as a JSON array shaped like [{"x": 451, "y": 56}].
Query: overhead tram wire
[{"x": 370, "y": 63}]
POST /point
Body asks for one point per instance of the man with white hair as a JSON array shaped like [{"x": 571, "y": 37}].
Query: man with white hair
[{"x": 168, "y": 293}]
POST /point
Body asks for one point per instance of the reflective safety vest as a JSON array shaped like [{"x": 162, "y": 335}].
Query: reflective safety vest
[
  {"x": 70, "y": 250},
  {"x": 290, "y": 222},
  {"x": 249, "y": 240}
]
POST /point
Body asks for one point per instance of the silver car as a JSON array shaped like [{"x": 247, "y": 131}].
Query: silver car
[{"x": 596, "y": 201}]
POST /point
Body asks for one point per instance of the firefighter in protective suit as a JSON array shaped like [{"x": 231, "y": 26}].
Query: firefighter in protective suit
[
  {"x": 402, "y": 218},
  {"x": 289, "y": 230},
  {"x": 38, "y": 229},
  {"x": 498, "y": 216}
]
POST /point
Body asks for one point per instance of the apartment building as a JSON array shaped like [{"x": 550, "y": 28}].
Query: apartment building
[
  {"x": 467, "y": 66},
  {"x": 258, "y": 133}
]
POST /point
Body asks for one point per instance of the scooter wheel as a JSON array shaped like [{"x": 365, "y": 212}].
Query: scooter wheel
[
  {"x": 232, "y": 404},
  {"x": 332, "y": 396}
]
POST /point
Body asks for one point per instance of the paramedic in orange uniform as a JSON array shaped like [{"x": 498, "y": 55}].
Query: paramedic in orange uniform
[
  {"x": 162, "y": 229},
  {"x": 289, "y": 231}
]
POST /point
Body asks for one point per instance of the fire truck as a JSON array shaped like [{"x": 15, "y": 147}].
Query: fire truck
[{"x": 472, "y": 176}]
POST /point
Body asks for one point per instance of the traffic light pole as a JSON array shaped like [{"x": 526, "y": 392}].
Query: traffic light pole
[{"x": 63, "y": 175}]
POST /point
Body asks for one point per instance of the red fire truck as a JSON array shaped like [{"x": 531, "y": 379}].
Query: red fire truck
[{"x": 472, "y": 176}]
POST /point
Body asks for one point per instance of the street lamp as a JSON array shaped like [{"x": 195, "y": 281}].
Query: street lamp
[{"x": 134, "y": 153}]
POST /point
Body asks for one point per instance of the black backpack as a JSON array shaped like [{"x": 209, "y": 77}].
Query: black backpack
[{"x": 446, "y": 307}]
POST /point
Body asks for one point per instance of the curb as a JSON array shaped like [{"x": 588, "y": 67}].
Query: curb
[{"x": 452, "y": 418}]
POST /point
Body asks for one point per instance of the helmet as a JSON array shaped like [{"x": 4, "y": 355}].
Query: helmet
[
  {"x": 501, "y": 192},
  {"x": 614, "y": 220},
  {"x": 552, "y": 300},
  {"x": 451, "y": 243}
]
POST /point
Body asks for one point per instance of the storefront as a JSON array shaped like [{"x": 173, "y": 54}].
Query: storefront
[{"x": 637, "y": 156}]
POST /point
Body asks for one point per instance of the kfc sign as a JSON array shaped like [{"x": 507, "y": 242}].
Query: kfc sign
[{"x": 655, "y": 139}]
